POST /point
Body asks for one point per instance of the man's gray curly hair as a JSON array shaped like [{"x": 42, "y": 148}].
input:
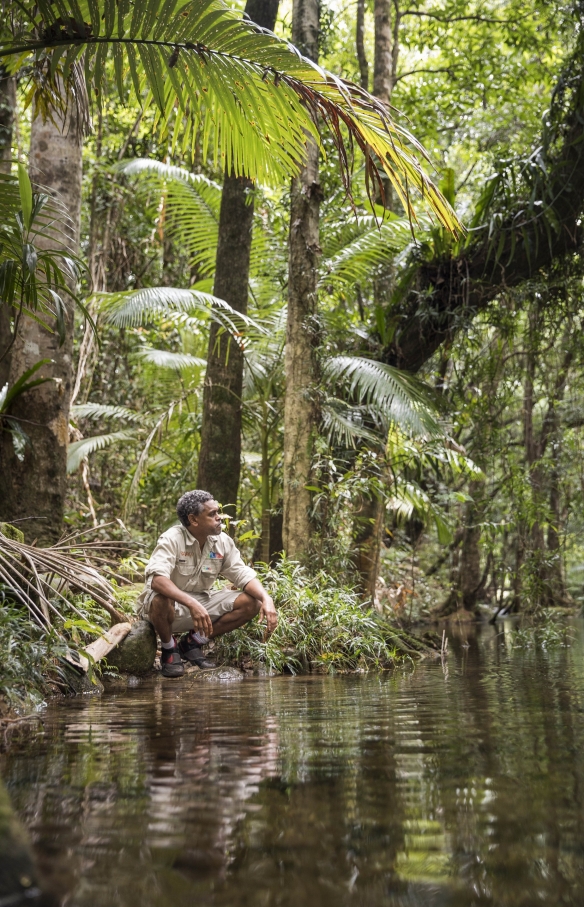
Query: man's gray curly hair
[{"x": 191, "y": 502}]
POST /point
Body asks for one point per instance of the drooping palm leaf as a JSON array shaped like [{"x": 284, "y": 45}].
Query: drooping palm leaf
[
  {"x": 362, "y": 246},
  {"x": 131, "y": 308},
  {"x": 166, "y": 359},
  {"x": 191, "y": 208},
  {"x": 38, "y": 578},
  {"x": 191, "y": 220},
  {"x": 77, "y": 451},
  {"x": 249, "y": 96},
  {"x": 398, "y": 397},
  {"x": 105, "y": 411},
  {"x": 345, "y": 426}
]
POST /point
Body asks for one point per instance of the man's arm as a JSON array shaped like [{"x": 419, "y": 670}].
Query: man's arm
[
  {"x": 165, "y": 586},
  {"x": 267, "y": 610}
]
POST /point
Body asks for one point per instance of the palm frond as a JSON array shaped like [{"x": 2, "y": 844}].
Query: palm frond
[
  {"x": 250, "y": 97},
  {"x": 191, "y": 208},
  {"x": 373, "y": 245},
  {"x": 105, "y": 411},
  {"x": 409, "y": 498},
  {"x": 131, "y": 308},
  {"x": 398, "y": 397},
  {"x": 38, "y": 577},
  {"x": 77, "y": 451},
  {"x": 166, "y": 359},
  {"x": 345, "y": 426}
]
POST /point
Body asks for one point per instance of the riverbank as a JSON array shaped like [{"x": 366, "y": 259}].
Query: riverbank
[{"x": 324, "y": 627}]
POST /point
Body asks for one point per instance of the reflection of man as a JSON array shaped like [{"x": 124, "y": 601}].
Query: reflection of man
[{"x": 178, "y": 596}]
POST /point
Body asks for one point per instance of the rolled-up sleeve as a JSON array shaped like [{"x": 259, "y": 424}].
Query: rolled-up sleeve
[
  {"x": 162, "y": 561},
  {"x": 234, "y": 568}
]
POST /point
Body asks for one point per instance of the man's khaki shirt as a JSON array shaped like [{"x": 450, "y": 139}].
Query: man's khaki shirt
[{"x": 178, "y": 555}]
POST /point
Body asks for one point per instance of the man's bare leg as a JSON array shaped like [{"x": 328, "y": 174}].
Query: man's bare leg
[
  {"x": 245, "y": 608},
  {"x": 161, "y": 616}
]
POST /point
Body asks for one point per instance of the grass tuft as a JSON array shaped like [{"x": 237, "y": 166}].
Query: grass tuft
[{"x": 322, "y": 627}]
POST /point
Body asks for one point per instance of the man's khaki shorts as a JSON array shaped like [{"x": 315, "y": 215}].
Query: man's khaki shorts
[{"x": 216, "y": 604}]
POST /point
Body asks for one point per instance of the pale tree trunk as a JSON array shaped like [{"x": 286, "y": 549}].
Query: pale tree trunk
[
  {"x": 300, "y": 407},
  {"x": 37, "y": 485},
  {"x": 360, "y": 46},
  {"x": 7, "y": 108},
  {"x": 383, "y": 62},
  {"x": 368, "y": 532},
  {"x": 220, "y": 455}
]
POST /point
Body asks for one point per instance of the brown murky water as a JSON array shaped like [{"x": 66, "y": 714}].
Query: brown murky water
[{"x": 430, "y": 786}]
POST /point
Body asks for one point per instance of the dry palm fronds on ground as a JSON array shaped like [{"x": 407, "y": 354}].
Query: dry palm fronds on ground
[{"x": 39, "y": 578}]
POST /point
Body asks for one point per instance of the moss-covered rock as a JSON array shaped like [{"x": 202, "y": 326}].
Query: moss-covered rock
[
  {"x": 11, "y": 532},
  {"x": 136, "y": 653}
]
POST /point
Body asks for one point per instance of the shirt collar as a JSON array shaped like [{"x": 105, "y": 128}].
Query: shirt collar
[{"x": 189, "y": 539}]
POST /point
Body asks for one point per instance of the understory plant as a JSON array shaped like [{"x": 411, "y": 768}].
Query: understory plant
[{"x": 322, "y": 627}]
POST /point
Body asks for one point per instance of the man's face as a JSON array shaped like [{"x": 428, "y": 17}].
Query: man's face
[{"x": 208, "y": 521}]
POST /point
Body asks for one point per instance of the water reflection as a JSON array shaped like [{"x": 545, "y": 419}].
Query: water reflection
[{"x": 429, "y": 786}]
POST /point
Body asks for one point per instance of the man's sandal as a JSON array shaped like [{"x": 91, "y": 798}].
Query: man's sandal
[
  {"x": 193, "y": 653},
  {"x": 171, "y": 663}
]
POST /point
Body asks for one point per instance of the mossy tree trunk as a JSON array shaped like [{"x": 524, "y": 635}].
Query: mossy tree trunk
[
  {"x": 302, "y": 332},
  {"x": 38, "y": 477},
  {"x": 7, "y": 108}
]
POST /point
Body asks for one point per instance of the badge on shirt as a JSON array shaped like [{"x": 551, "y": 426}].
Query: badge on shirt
[{"x": 210, "y": 564}]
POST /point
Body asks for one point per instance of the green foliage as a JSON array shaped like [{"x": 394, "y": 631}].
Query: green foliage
[
  {"x": 548, "y": 632},
  {"x": 249, "y": 97},
  {"x": 322, "y": 626},
  {"x": 33, "y": 282},
  {"x": 27, "y": 657}
]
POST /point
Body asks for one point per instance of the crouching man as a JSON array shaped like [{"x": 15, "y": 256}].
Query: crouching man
[{"x": 178, "y": 597}]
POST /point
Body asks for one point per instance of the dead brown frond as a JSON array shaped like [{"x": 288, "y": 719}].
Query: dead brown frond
[{"x": 39, "y": 578}]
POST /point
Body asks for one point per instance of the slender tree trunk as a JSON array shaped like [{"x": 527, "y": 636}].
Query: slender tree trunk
[
  {"x": 383, "y": 66},
  {"x": 220, "y": 455},
  {"x": 368, "y": 527},
  {"x": 7, "y": 108},
  {"x": 36, "y": 484},
  {"x": 368, "y": 532},
  {"x": 468, "y": 579},
  {"x": 360, "y": 46},
  {"x": 300, "y": 407}
]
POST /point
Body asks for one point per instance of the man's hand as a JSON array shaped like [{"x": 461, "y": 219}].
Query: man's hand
[
  {"x": 268, "y": 611},
  {"x": 201, "y": 619}
]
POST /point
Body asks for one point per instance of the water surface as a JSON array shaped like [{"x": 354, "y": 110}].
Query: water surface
[{"x": 455, "y": 785}]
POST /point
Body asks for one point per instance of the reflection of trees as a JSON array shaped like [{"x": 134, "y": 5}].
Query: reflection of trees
[{"x": 418, "y": 788}]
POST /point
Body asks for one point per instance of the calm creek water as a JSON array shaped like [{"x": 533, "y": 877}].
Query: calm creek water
[{"x": 458, "y": 784}]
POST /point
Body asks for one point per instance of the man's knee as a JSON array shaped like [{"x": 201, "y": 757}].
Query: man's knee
[
  {"x": 161, "y": 607},
  {"x": 247, "y": 604}
]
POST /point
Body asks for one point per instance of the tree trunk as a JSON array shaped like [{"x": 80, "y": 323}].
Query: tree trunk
[
  {"x": 220, "y": 455},
  {"x": 382, "y": 65},
  {"x": 369, "y": 526},
  {"x": 300, "y": 407},
  {"x": 37, "y": 484},
  {"x": 7, "y": 108},
  {"x": 360, "y": 46},
  {"x": 468, "y": 578},
  {"x": 368, "y": 533}
]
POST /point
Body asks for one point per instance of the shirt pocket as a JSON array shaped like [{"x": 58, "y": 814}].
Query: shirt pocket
[
  {"x": 212, "y": 566},
  {"x": 185, "y": 566}
]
